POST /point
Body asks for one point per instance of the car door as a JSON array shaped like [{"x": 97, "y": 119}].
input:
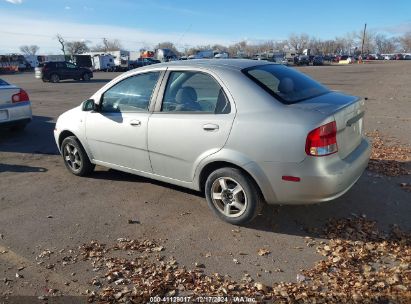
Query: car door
[
  {"x": 117, "y": 132},
  {"x": 61, "y": 69},
  {"x": 72, "y": 71},
  {"x": 192, "y": 120}
]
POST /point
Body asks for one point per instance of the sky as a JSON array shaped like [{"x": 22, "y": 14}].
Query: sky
[{"x": 188, "y": 23}]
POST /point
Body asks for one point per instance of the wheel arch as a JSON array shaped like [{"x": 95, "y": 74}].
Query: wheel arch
[
  {"x": 66, "y": 133},
  {"x": 63, "y": 135},
  {"x": 260, "y": 182}
]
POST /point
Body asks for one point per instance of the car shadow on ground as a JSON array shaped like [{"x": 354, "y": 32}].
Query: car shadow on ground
[
  {"x": 20, "y": 168},
  {"x": 381, "y": 199},
  {"x": 36, "y": 138},
  {"x": 115, "y": 175}
]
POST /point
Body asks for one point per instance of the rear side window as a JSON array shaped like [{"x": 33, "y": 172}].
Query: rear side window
[
  {"x": 285, "y": 84},
  {"x": 50, "y": 65},
  {"x": 3, "y": 83},
  {"x": 194, "y": 92}
]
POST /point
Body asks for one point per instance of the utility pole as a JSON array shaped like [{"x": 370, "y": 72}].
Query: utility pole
[{"x": 363, "y": 38}]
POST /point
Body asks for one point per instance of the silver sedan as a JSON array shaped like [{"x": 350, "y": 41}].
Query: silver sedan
[
  {"x": 15, "y": 106},
  {"x": 244, "y": 132}
]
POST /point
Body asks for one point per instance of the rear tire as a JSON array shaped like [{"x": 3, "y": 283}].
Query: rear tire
[
  {"x": 233, "y": 196},
  {"x": 54, "y": 78},
  {"x": 75, "y": 157},
  {"x": 86, "y": 77}
]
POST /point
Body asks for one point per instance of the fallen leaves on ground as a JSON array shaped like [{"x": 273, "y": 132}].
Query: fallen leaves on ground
[
  {"x": 263, "y": 252},
  {"x": 389, "y": 160},
  {"x": 362, "y": 265}
]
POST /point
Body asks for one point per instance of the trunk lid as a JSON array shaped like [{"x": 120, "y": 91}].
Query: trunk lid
[
  {"x": 348, "y": 113},
  {"x": 6, "y": 92}
]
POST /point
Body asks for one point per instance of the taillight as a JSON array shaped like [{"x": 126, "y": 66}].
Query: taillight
[
  {"x": 20, "y": 96},
  {"x": 322, "y": 141}
]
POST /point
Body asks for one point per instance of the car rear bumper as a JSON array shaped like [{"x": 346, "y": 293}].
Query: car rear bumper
[
  {"x": 12, "y": 114},
  {"x": 321, "y": 178}
]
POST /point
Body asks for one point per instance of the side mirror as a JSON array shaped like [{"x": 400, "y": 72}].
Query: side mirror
[{"x": 89, "y": 105}]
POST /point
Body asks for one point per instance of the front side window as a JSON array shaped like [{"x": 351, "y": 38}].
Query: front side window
[
  {"x": 194, "y": 92},
  {"x": 132, "y": 94},
  {"x": 285, "y": 84}
]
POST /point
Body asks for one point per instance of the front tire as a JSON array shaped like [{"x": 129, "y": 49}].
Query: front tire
[
  {"x": 75, "y": 157},
  {"x": 233, "y": 196}
]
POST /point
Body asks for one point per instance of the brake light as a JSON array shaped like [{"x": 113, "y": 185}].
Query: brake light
[
  {"x": 20, "y": 96},
  {"x": 322, "y": 140}
]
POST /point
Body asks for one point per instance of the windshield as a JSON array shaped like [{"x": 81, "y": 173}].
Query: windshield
[{"x": 285, "y": 84}]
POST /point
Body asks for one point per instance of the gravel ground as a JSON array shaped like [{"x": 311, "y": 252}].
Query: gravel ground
[{"x": 45, "y": 208}]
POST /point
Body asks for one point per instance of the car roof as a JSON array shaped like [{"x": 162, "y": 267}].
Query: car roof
[{"x": 235, "y": 64}]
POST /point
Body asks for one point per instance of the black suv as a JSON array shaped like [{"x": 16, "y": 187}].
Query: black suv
[{"x": 56, "y": 71}]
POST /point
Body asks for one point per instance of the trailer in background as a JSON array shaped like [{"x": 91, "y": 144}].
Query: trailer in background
[
  {"x": 103, "y": 62},
  {"x": 32, "y": 60},
  {"x": 120, "y": 58},
  {"x": 202, "y": 55}
]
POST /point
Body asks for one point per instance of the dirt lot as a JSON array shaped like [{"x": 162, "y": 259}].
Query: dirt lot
[{"x": 44, "y": 207}]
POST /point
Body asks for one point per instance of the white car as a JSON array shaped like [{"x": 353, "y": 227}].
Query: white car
[
  {"x": 15, "y": 106},
  {"x": 244, "y": 132}
]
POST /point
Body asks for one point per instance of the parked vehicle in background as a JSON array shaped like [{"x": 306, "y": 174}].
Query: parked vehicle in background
[
  {"x": 302, "y": 60},
  {"x": 398, "y": 57},
  {"x": 83, "y": 61},
  {"x": 311, "y": 58},
  {"x": 56, "y": 71},
  {"x": 345, "y": 59},
  {"x": 140, "y": 62},
  {"x": 165, "y": 55},
  {"x": 15, "y": 106},
  {"x": 32, "y": 60},
  {"x": 202, "y": 54},
  {"x": 184, "y": 122},
  {"x": 318, "y": 60},
  {"x": 281, "y": 60},
  {"x": 407, "y": 57},
  {"x": 221, "y": 55},
  {"x": 327, "y": 58},
  {"x": 103, "y": 62},
  {"x": 336, "y": 58},
  {"x": 120, "y": 58}
]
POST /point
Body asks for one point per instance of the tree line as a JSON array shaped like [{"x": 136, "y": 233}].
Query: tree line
[{"x": 351, "y": 43}]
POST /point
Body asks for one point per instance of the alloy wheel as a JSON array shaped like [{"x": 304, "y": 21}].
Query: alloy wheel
[
  {"x": 72, "y": 157},
  {"x": 229, "y": 197}
]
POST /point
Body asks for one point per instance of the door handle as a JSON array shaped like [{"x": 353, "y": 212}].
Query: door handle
[
  {"x": 210, "y": 127},
  {"x": 135, "y": 123}
]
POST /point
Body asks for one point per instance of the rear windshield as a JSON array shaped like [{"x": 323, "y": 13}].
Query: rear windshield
[
  {"x": 285, "y": 84},
  {"x": 3, "y": 83}
]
